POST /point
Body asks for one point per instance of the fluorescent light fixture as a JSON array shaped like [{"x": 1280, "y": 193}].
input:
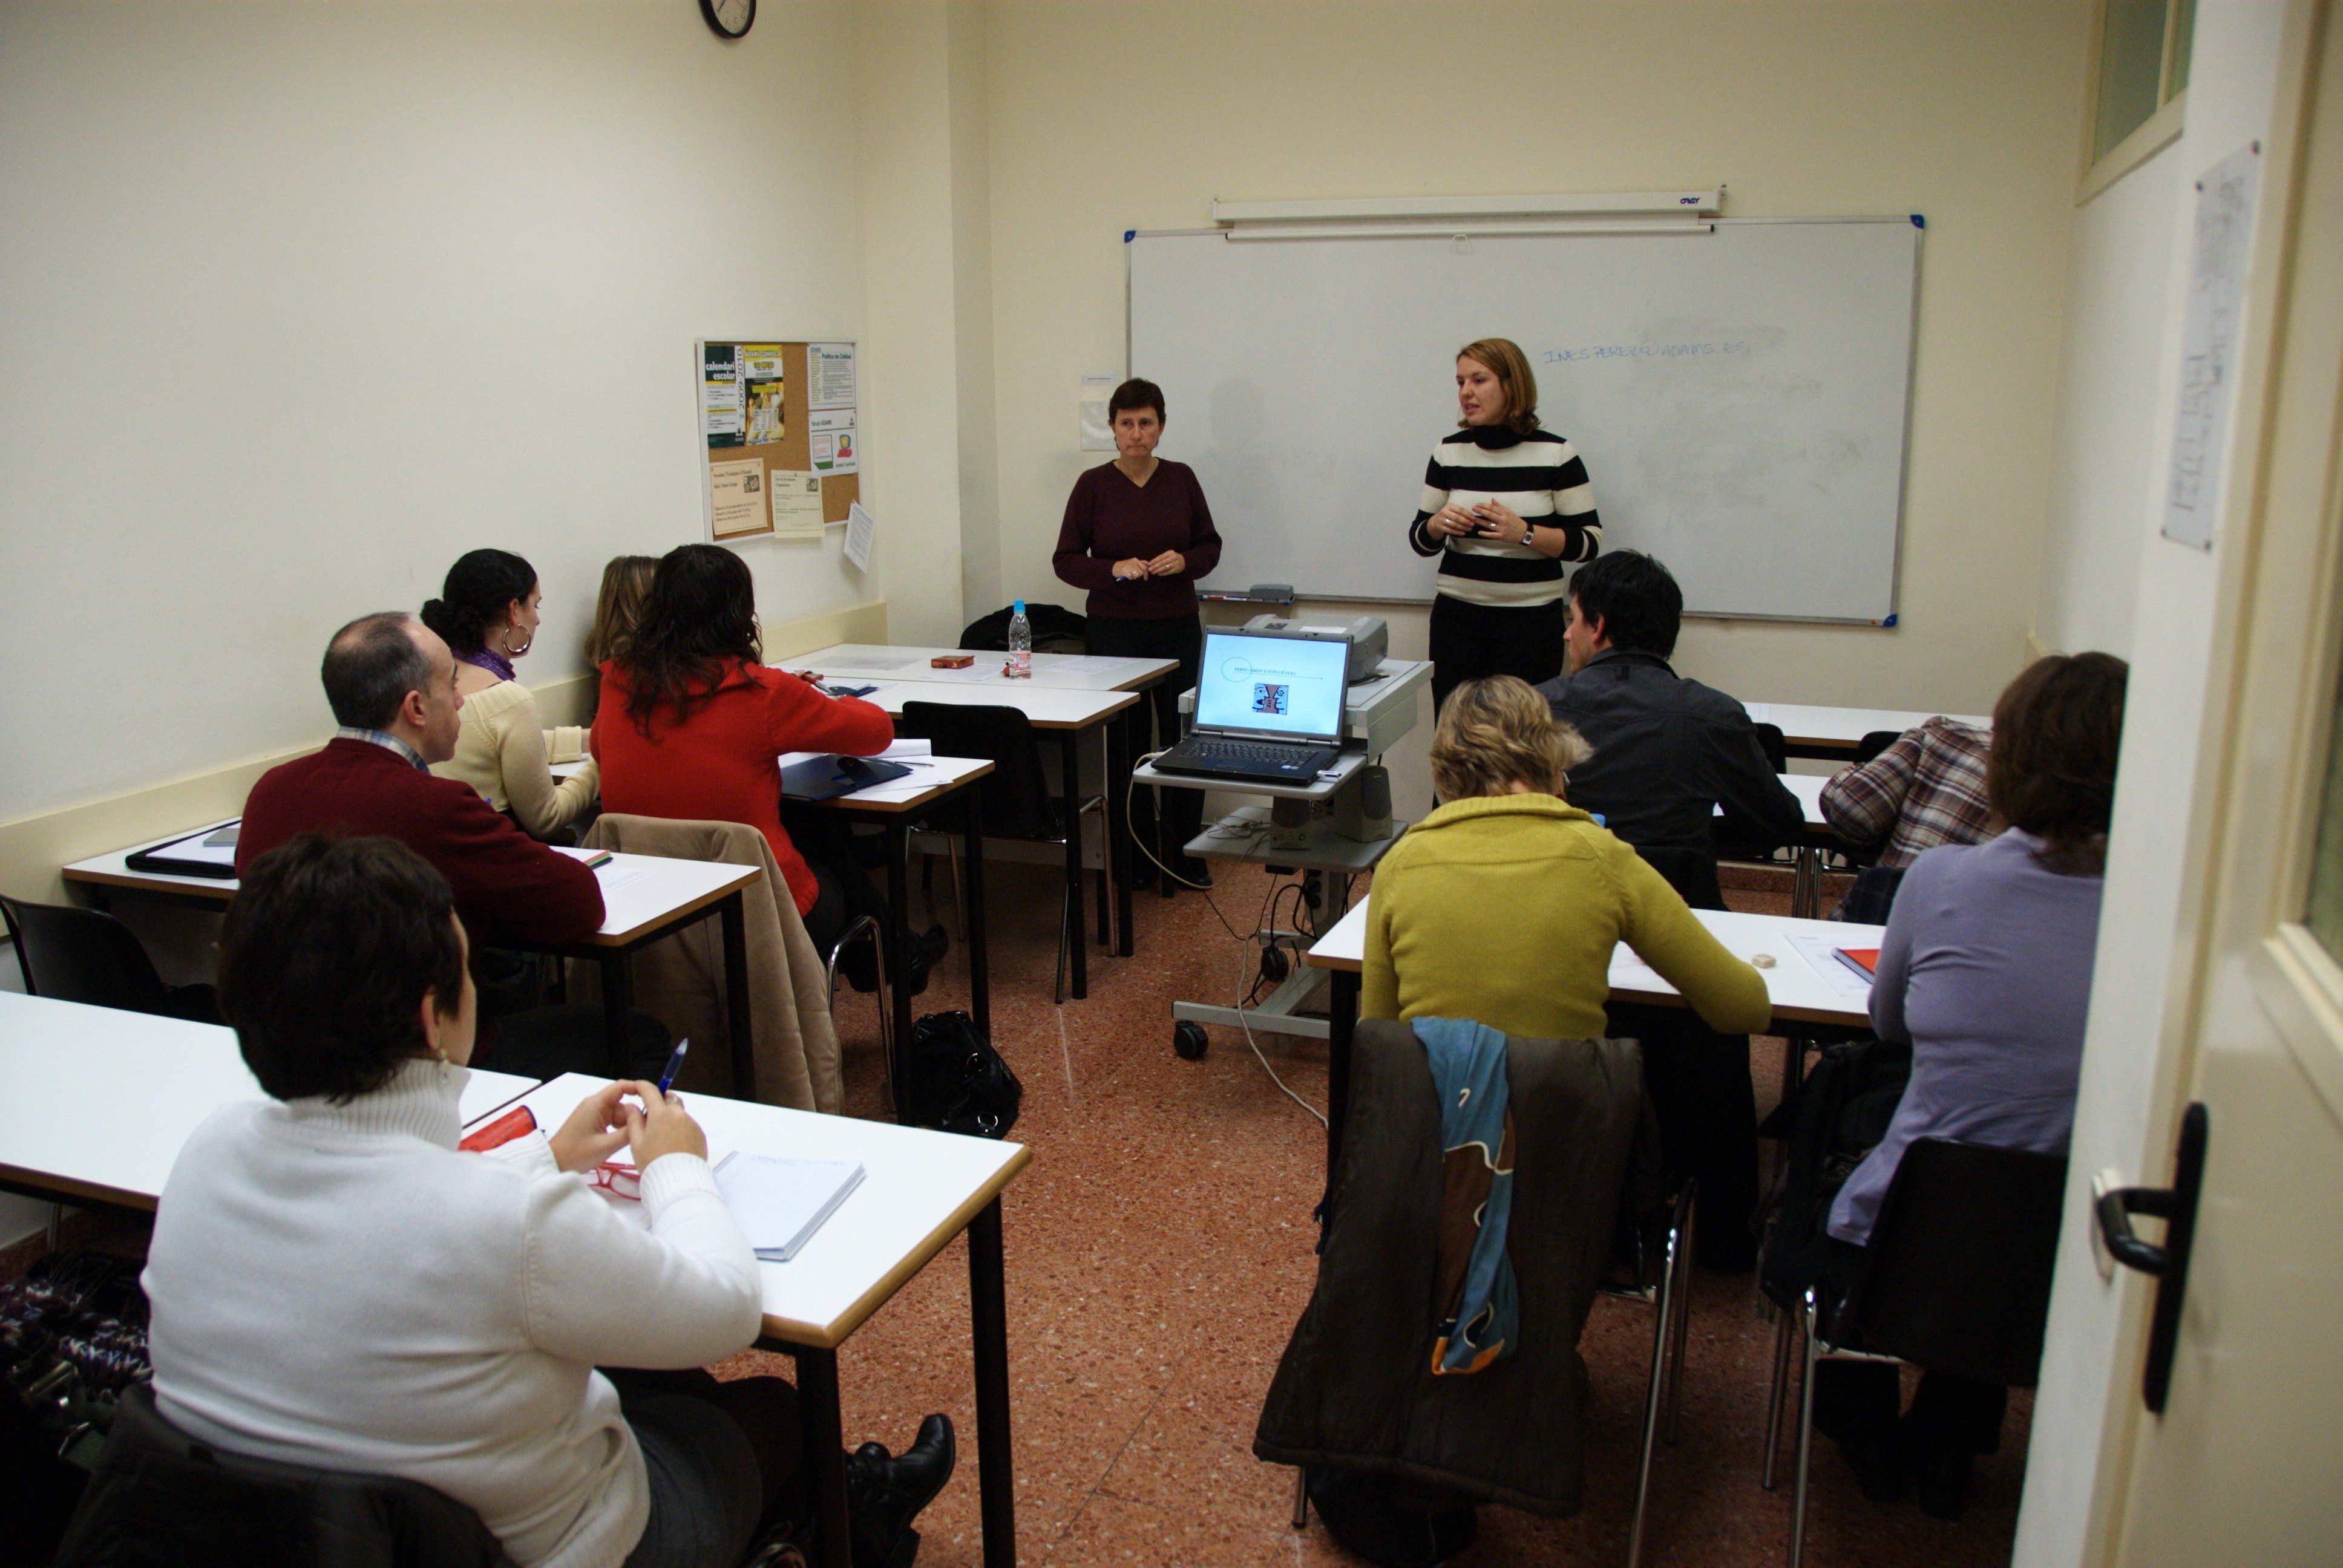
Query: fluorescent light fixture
[
  {"x": 1458, "y": 228},
  {"x": 1454, "y": 211}
]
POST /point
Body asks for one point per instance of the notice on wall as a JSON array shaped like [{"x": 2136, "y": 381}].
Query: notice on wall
[
  {"x": 720, "y": 395},
  {"x": 832, "y": 433},
  {"x": 761, "y": 381},
  {"x": 861, "y": 533},
  {"x": 1096, "y": 434},
  {"x": 2211, "y": 338},
  {"x": 736, "y": 499},
  {"x": 797, "y": 505},
  {"x": 830, "y": 375}
]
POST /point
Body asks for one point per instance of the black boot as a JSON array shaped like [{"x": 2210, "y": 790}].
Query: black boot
[{"x": 884, "y": 1493}]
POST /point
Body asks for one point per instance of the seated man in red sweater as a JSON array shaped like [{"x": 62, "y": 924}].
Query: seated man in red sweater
[{"x": 391, "y": 683}]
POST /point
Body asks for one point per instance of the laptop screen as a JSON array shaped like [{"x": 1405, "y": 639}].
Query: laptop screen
[{"x": 1281, "y": 688}]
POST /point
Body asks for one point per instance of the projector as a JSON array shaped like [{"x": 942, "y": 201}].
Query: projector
[{"x": 1369, "y": 638}]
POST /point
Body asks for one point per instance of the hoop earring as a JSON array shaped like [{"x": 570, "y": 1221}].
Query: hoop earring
[{"x": 512, "y": 652}]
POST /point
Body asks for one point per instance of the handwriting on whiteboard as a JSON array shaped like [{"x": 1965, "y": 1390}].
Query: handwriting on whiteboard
[
  {"x": 1642, "y": 351},
  {"x": 2209, "y": 344}
]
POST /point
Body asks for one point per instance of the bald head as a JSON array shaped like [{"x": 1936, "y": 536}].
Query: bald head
[{"x": 370, "y": 667}]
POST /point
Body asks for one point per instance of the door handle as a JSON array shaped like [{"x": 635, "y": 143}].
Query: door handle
[{"x": 2176, "y": 1206}]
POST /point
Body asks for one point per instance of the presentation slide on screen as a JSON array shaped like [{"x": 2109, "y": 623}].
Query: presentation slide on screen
[{"x": 1273, "y": 683}]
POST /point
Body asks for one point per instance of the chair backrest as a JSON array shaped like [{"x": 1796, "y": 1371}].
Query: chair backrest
[
  {"x": 1959, "y": 1275},
  {"x": 158, "y": 1496},
  {"x": 82, "y": 955},
  {"x": 1055, "y": 628},
  {"x": 1873, "y": 744},
  {"x": 1776, "y": 750},
  {"x": 1016, "y": 794}
]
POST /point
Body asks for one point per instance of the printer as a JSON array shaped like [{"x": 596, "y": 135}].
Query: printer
[{"x": 1369, "y": 638}]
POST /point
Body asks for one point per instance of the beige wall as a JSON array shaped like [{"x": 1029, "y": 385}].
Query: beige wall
[{"x": 1105, "y": 117}]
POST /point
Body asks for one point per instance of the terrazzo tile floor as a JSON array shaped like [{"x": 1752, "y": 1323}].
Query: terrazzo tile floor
[{"x": 1160, "y": 1252}]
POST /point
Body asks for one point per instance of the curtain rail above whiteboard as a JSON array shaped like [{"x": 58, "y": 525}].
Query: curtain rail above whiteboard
[{"x": 1742, "y": 404}]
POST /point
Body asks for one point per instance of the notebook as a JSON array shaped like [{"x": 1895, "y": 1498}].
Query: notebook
[
  {"x": 781, "y": 1204},
  {"x": 210, "y": 853},
  {"x": 1863, "y": 961}
]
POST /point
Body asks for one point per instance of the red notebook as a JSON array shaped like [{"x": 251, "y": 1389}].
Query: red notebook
[{"x": 1863, "y": 961}]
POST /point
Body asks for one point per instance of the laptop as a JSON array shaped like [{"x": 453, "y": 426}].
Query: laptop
[{"x": 1268, "y": 708}]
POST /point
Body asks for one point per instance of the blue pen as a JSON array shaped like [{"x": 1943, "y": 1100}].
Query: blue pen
[{"x": 674, "y": 1066}]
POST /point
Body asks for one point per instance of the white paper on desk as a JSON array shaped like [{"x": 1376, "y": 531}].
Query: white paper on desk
[
  {"x": 861, "y": 533},
  {"x": 872, "y": 663},
  {"x": 614, "y": 876},
  {"x": 1628, "y": 968},
  {"x": 1819, "y": 951},
  {"x": 903, "y": 749},
  {"x": 567, "y": 769}
]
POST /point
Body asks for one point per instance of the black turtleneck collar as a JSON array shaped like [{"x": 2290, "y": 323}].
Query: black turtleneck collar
[{"x": 1491, "y": 438}]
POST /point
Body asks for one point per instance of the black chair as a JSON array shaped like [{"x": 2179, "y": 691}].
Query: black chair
[
  {"x": 1956, "y": 1279},
  {"x": 71, "y": 954},
  {"x": 1015, "y": 795},
  {"x": 1868, "y": 748},
  {"x": 160, "y": 1497},
  {"x": 1055, "y": 628}
]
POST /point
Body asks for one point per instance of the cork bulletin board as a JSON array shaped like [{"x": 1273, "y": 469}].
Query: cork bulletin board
[{"x": 780, "y": 446}]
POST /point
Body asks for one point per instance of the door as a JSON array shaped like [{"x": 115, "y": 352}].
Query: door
[{"x": 2245, "y": 1465}]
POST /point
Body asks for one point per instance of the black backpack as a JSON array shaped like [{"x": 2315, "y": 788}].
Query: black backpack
[
  {"x": 1055, "y": 630},
  {"x": 1839, "y": 1115},
  {"x": 954, "y": 1082}
]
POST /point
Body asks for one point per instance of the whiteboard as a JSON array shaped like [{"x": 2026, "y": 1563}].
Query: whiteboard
[{"x": 1739, "y": 395}]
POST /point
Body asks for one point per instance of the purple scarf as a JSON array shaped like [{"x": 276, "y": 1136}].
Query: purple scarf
[{"x": 489, "y": 660}]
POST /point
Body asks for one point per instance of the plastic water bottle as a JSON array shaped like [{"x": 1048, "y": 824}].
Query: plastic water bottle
[{"x": 1020, "y": 645}]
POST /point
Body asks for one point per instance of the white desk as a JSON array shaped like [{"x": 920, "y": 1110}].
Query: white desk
[
  {"x": 919, "y": 1191},
  {"x": 1832, "y": 734},
  {"x": 120, "y": 1094},
  {"x": 645, "y": 898},
  {"x": 857, "y": 663},
  {"x": 1801, "y": 992}
]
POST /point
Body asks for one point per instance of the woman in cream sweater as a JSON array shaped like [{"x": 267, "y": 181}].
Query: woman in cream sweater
[
  {"x": 487, "y": 612},
  {"x": 335, "y": 1284},
  {"x": 1503, "y": 905}
]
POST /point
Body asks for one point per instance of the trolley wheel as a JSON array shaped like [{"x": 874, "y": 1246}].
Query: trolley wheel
[{"x": 1188, "y": 1040}]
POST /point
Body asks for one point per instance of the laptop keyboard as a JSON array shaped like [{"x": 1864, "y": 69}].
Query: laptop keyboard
[{"x": 1217, "y": 750}]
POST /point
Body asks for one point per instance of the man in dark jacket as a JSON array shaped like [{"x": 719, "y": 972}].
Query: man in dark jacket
[{"x": 1668, "y": 754}]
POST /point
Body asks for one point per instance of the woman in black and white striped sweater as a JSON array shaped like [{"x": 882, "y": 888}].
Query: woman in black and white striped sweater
[{"x": 1504, "y": 505}]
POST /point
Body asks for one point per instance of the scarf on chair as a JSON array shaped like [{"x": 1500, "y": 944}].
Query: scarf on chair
[{"x": 1480, "y": 1314}]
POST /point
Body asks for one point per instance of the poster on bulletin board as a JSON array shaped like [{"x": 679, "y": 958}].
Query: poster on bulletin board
[{"x": 777, "y": 421}]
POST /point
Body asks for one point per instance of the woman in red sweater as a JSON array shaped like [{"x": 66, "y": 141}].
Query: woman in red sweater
[{"x": 692, "y": 726}]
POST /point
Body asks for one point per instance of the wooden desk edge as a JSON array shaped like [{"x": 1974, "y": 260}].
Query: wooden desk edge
[
  {"x": 68, "y": 1190},
  {"x": 219, "y": 892},
  {"x": 746, "y": 875},
  {"x": 1328, "y": 961},
  {"x": 831, "y": 1335},
  {"x": 1781, "y": 1014}
]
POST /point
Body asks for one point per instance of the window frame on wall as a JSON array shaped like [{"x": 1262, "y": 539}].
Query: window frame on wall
[{"x": 2100, "y": 169}]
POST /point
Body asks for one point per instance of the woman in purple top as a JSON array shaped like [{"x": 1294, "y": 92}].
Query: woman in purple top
[
  {"x": 1137, "y": 536},
  {"x": 1986, "y": 972}
]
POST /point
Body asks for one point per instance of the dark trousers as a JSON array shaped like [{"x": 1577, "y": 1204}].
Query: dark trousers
[
  {"x": 1472, "y": 640},
  {"x": 1181, "y": 637},
  {"x": 547, "y": 1041},
  {"x": 723, "y": 1461},
  {"x": 847, "y": 893},
  {"x": 1699, "y": 1086},
  {"x": 1855, "y": 1403}
]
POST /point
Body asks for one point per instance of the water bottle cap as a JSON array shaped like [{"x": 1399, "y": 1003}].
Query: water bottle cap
[{"x": 1020, "y": 607}]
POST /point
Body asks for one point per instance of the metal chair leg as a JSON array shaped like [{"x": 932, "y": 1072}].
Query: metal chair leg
[
  {"x": 1654, "y": 1392},
  {"x": 1781, "y": 1390},
  {"x": 1805, "y": 1432},
  {"x": 866, "y": 925},
  {"x": 1065, "y": 926},
  {"x": 1683, "y": 1304},
  {"x": 960, "y": 899},
  {"x": 1300, "y": 1498}
]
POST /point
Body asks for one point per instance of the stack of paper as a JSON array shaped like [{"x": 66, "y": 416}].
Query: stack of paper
[{"x": 781, "y": 1202}]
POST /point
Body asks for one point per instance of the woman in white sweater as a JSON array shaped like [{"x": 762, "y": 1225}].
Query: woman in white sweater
[
  {"x": 487, "y": 612},
  {"x": 335, "y": 1284}
]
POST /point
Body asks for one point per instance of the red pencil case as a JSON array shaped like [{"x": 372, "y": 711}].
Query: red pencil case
[{"x": 517, "y": 1122}]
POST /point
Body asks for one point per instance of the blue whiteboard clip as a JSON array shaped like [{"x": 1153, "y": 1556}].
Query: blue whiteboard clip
[
  {"x": 1890, "y": 620},
  {"x": 1919, "y": 221},
  {"x": 1129, "y": 234}
]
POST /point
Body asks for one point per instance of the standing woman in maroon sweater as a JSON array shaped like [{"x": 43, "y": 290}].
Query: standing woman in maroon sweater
[{"x": 1138, "y": 535}]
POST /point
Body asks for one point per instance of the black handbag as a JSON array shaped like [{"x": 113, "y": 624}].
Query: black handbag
[{"x": 954, "y": 1082}]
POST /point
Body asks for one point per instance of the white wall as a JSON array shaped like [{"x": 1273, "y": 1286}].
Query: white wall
[
  {"x": 2154, "y": 864},
  {"x": 298, "y": 302},
  {"x": 2101, "y": 480},
  {"x": 1106, "y": 117}
]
